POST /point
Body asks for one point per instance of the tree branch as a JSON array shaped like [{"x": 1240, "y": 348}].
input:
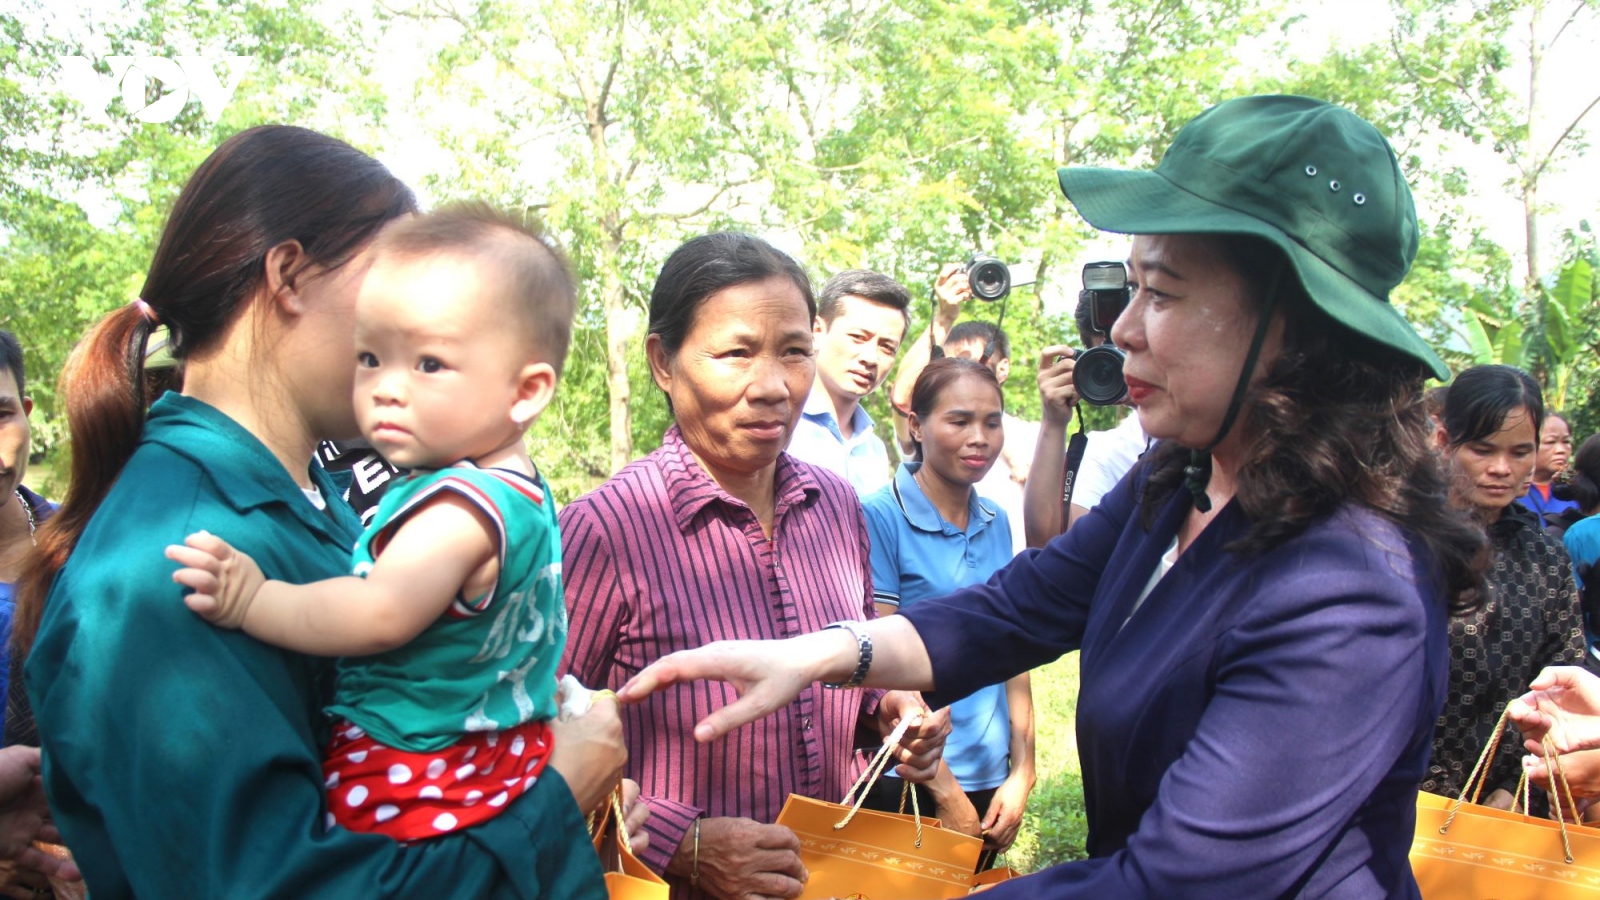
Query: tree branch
[
  {"x": 1570, "y": 19},
  {"x": 704, "y": 207},
  {"x": 616, "y": 58},
  {"x": 1461, "y": 89},
  {"x": 1550, "y": 154}
]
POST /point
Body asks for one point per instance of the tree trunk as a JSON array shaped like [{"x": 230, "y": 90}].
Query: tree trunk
[
  {"x": 618, "y": 333},
  {"x": 612, "y": 298},
  {"x": 1531, "y": 155}
]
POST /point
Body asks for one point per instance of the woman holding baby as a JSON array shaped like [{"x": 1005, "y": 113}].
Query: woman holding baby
[{"x": 185, "y": 760}]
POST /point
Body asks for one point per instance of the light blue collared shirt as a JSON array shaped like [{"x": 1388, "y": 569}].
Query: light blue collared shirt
[
  {"x": 863, "y": 460},
  {"x": 916, "y": 556}
]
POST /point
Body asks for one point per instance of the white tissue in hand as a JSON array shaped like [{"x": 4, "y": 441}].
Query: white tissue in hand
[{"x": 575, "y": 698}]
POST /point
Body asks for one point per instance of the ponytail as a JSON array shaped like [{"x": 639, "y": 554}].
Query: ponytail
[{"x": 102, "y": 386}]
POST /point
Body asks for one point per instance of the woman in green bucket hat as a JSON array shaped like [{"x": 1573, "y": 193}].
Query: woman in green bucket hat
[{"x": 1261, "y": 603}]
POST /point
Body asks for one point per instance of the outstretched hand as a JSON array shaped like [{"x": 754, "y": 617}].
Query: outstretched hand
[
  {"x": 768, "y": 675},
  {"x": 222, "y": 581},
  {"x": 767, "y": 680},
  {"x": 1564, "y": 703}
]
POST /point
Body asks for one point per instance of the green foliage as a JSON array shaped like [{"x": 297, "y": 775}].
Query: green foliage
[
  {"x": 82, "y": 205},
  {"x": 893, "y": 135},
  {"x": 1570, "y": 334}
]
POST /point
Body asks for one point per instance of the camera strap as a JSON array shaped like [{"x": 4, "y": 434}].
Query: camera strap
[
  {"x": 1069, "y": 473},
  {"x": 999, "y": 327},
  {"x": 1197, "y": 474}
]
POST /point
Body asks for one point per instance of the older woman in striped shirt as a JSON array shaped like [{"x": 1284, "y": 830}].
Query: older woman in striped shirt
[{"x": 719, "y": 534}]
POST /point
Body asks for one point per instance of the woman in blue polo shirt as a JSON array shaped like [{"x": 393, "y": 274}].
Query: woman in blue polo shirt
[{"x": 932, "y": 534}]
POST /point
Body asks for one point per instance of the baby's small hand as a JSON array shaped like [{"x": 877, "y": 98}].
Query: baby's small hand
[{"x": 222, "y": 580}]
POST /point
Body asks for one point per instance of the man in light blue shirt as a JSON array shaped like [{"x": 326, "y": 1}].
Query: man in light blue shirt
[{"x": 862, "y": 318}]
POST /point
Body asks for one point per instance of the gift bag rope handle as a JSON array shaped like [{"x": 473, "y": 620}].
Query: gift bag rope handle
[
  {"x": 1525, "y": 796},
  {"x": 874, "y": 770},
  {"x": 622, "y": 826},
  {"x": 1480, "y": 776},
  {"x": 622, "y": 823}
]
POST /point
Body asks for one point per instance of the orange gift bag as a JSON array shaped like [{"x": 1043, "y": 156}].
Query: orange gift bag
[
  {"x": 1463, "y": 851},
  {"x": 858, "y": 853},
  {"x": 626, "y": 877},
  {"x": 985, "y": 880}
]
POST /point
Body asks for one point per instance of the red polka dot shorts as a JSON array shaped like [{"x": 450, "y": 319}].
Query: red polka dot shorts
[{"x": 413, "y": 796}]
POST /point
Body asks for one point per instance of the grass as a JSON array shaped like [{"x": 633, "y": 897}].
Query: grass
[{"x": 1053, "y": 830}]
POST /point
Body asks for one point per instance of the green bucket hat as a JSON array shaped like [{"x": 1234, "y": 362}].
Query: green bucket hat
[{"x": 1315, "y": 179}]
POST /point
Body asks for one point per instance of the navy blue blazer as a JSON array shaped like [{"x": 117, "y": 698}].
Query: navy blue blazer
[{"x": 1256, "y": 729}]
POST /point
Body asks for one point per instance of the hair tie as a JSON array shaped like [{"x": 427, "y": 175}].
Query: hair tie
[{"x": 146, "y": 310}]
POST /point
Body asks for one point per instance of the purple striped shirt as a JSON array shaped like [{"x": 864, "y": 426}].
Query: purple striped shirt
[{"x": 660, "y": 559}]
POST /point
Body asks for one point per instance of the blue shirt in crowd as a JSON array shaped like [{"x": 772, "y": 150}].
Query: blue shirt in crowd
[
  {"x": 863, "y": 460},
  {"x": 917, "y": 555},
  {"x": 1544, "y": 507}
]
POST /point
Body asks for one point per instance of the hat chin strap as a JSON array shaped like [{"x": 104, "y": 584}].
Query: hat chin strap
[{"x": 1197, "y": 474}]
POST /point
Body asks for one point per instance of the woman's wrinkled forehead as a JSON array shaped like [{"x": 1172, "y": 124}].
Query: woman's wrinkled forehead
[{"x": 771, "y": 309}]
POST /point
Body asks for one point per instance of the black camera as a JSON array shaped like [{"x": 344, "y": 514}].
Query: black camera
[
  {"x": 1098, "y": 372},
  {"x": 987, "y": 276}
]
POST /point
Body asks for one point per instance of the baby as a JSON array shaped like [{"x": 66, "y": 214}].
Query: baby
[{"x": 451, "y": 623}]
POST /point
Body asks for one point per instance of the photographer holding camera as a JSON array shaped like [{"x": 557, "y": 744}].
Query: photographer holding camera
[
  {"x": 1261, "y": 604},
  {"x": 988, "y": 279},
  {"x": 1102, "y": 457}
]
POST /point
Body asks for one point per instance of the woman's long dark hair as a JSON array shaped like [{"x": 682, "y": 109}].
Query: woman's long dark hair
[
  {"x": 261, "y": 188},
  {"x": 1336, "y": 419}
]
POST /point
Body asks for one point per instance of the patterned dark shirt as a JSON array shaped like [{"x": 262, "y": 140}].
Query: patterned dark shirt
[{"x": 1532, "y": 620}]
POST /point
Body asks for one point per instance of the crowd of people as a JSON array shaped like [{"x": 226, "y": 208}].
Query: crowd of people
[{"x": 219, "y": 683}]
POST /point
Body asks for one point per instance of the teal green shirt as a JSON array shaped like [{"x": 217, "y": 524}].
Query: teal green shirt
[
  {"x": 488, "y": 664},
  {"x": 183, "y": 760}
]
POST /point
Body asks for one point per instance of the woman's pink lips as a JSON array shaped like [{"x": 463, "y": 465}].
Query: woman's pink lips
[{"x": 1138, "y": 390}]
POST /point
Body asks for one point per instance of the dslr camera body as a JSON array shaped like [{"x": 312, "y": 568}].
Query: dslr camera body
[{"x": 1098, "y": 372}]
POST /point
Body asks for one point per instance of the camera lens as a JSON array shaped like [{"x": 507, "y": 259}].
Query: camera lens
[
  {"x": 988, "y": 277},
  {"x": 1098, "y": 376}
]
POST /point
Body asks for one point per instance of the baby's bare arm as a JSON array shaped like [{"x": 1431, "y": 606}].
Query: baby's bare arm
[{"x": 422, "y": 569}]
